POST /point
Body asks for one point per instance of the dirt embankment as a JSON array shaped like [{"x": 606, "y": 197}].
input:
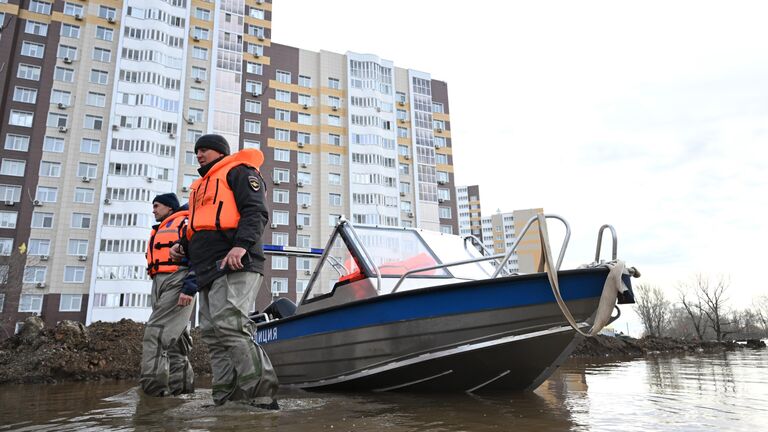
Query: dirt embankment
[{"x": 72, "y": 352}]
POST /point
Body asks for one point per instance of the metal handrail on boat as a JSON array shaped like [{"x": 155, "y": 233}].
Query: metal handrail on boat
[
  {"x": 506, "y": 256},
  {"x": 600, "y": 242}
]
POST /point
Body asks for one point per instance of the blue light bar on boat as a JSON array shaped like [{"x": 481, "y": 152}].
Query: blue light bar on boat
[{"x": 291, "y": 250}]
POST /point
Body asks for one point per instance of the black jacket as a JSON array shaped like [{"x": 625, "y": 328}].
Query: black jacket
[{"x": 209, "y": 247}]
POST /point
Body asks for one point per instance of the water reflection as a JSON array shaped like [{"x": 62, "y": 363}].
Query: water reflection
[{"x": 726, "y": 391}]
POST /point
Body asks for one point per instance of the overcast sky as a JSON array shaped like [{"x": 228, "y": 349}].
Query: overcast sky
[{"x": 651, "y": 116}]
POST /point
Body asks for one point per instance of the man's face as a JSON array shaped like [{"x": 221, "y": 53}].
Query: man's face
[
  {"x": 161, "y": 211},
  {"x": 206, "y": 156}
]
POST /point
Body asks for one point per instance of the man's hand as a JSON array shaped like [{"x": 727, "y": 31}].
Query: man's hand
[
  {"x": 233, "y": 259},
  {"x": 185, "y": 300},
  {"x": 177, "y": 252}
]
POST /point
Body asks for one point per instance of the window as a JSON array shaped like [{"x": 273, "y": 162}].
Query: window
[
  {"x": 282, "y": 155},
  {"x": 50, "y": 169},
  {"x": 283, "y": 77},
  {"x": 47, "y": 194},
  {"x": 39, "y": 247},
  {"x": 283, "y": 96},
  {"x": 40, "y": 7},
  {"x": 36, "y": 28},
  {"x": 251, "y": 144},
  {"x": 10, "y": 193},
  {"x": 303, "y": 241},
  {"x": 405, "y": 206},
  {"x": 442, "y": 177},
  {"x": 301, "y": 286},
  {"x": 445, "y": 212},
  {"x": 189, "y": 179},
  {"x": 303, "y": 138},
  {"x": 334, "y": 139},
  {"x": 8, "y": 219},
  {"x": 401, "y": 115},
  {"x": 32, "y": 49},
  {"x": 334, "y": 83},
  {"x": 70, "y": 302},
  {"x": 67, "y": 52},
  {"x": 102, "y": 54},
  {"x": 202, "y": 14},
  {"x": 279, "y": 262},
  {"x": 305, "y": 100},
  {"x": 402, "y": 132},
  {"x": 81, "y": 220},
  {"x": 74, "y": 274},
  {"x": 257, "y": 13},
  {"x": 199, "y": 73},
  {"x": 103, "y": 33},
  {"x": 304, "y": 178},
  {"x": 6, "y": 246},
  {"x": 280, "y": 239},
  {"x": 280, "y": 196},
  {"x": 107, "y": 12},
  {"x": 28, "y": 72},
  {"x": 443, "y": 194},
  {"x": 304, "y": 157},
  {"x": 446, "y": 229},
  {"x": 93, "y": 122},
  {"x": 252, "y": 106},
  {"x": 405, "y": 187},
  {"x": 437, "y": 107},
  {"x": 334, "y": 120},
  {"x": 281, "y": 175},
  {"x": 405, "y": 169},
  {"x": 304, "y": 198},
  {"x": 57, "y": 120},
  {"x": 195, "y": 114},
  {"x": 84, "y": 195},
  {"x": 77, "y": 247},
  {"x": 279, "y": 217},
  {"x": 73, "y": 9},
  {"x": 305, "y": 119},
  {"x": 282, "y": 115},
  {"x": 17, "y": 142},
  {"x": 334, "y": 178},
  {"x": 96, "y": 99},
  {"x": 33, "y": 274},
  {"x": 42, "y": 220},
  {"x": 279, "y": 285},
  {"x": 254, "y": 68},
  {"x": 304, "y": 219},
  {"x": 13, "y": 167},
  {"x": 253, "y": 87},
  {"x": 99, "y": 76},
  {"x": 190, "y": 158},
  {"x": 4, "y": 269},
  {"x": 334, "y": 159},
  {"x": 200, "y": 53},
  {"x": 334, "y": 101},
  {"x": 252, "y": 126},
  {"x": 200, "y": 33},
  {"x": 86, "y": 170},
  {"x": 52, "y": 144},
  {"x": 61, "y": 97},
  {"x": 21, "y": 118},
  {"x": 64, "y": 74},
  {"x": 303, "y": 264},
  {"x": 441, "y": 159},
  {"x": 333, "y": 219},
  {"x": 70, "y": 31},
  {"x": 25, "y": 95},
  {"x": 439, "y": 125},
  {"x": 334, "y": 200},
  {"x": 305, "y": 81},
  {"x": 31, "y": 302},
  {"x": 196, "y": 93}
]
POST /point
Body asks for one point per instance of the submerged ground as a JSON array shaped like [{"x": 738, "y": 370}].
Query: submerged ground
[{"x": 73, "y": 352}]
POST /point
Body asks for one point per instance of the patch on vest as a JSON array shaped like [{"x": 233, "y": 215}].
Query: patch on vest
[{"x": 254, "y": 181}]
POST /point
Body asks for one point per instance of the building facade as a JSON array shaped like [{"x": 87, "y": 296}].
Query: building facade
[{"x": 102, "y": 102}]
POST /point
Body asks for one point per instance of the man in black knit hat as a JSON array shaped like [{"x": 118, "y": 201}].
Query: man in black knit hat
[
  {"x": 165, "y": 367},
  {"x": 227, "y": 218}
]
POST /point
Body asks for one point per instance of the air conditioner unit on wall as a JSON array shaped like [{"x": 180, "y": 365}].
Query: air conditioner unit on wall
[
  {"x": 37, "y": 203},
  {"x": 40, "y": 285},
  {"x": 9, "y": 202},
  {"x": 82, "y": 258},
  {"x": 67, "y": 60},
  {"x": 43, "y": 257},
  {"x": 62, "y": 129},
  {"x": 62, "y": 105},
  {"x": 273, "y": 226}
]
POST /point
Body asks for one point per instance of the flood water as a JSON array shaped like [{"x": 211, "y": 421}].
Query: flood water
[{"x": 702, "y": 392}]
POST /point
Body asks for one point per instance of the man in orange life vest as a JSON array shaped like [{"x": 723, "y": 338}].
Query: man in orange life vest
[
  {"x": 165, "y": 368},
  {"x": 227, "y": 218}
]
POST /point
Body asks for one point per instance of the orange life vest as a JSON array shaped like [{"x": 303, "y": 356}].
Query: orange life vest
[
  {"x": 160, "y": 242},
  {"x": 211, "y": 200}
]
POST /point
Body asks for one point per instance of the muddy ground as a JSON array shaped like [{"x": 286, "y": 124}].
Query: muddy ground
[{"x": 72, "y": 352}]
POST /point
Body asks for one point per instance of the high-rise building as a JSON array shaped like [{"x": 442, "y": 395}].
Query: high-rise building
[
  {"x": 499, "y": 235},
  {"x": 468, "y": 203},
  {"x": 102, "y": 102}
]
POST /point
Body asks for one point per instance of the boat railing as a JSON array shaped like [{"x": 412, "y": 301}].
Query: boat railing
[
  {"x": 506, "y": 257},
  {"x": 600, "y": 242}
]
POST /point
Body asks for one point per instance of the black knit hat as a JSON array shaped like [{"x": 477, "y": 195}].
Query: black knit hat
[
  {"x": 213, "y": 142},
  {"x": 168, "y": 199}
]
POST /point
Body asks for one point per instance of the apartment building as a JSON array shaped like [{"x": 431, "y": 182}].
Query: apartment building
[{"x": 102, "y": 102}]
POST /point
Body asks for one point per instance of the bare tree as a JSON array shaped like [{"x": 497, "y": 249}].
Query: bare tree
[
  {"x": 760, "y": 306},
  {"x": 693, "y": 309},
  {"x": 653, "y": 308},
  {"x": 712, "y": 296}
]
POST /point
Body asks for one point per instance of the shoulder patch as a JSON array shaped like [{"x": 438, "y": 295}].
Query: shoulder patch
[{"x": 254, "y": 182}]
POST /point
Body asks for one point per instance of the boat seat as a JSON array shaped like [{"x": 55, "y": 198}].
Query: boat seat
[{"x": 281, "y": 308}]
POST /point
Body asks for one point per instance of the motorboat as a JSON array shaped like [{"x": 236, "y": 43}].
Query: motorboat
[{"x": 403, "y": 309}]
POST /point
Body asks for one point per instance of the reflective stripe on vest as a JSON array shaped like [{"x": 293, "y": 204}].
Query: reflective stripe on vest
[
  {"x": 160, "y": 242},
  {"x": 211, "y": 200}
]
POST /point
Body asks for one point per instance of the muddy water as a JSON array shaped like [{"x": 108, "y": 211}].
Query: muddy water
[{"x": 703, "y": 392}]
